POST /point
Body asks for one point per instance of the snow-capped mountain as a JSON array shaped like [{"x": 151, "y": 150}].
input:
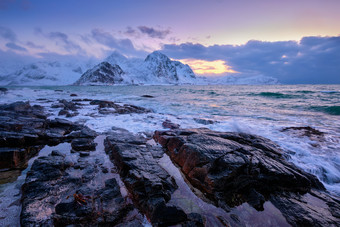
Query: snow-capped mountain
[
  {"x": 157, "y": 68},
  {"x": 45, "y": 73},
  {"x": 102, "y": 74}
]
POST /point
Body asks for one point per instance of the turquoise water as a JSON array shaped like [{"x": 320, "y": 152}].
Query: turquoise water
[{"x": 263, "y": 110}]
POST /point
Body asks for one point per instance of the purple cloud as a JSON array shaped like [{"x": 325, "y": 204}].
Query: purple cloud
[
  {"x": 312, "y": 60},
  {"x": 14, "y": 46},
  {"x": 154, "y": 33},
  {"x": 33, "y": 45},
  {"x": 122, "y": 45},
  {"x": 8, "y": 34}
]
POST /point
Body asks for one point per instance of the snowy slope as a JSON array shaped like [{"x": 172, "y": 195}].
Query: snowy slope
[{"x": 45, "y": 73}]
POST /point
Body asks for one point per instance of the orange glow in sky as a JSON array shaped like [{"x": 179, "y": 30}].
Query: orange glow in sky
[{"x": 202, "y": 67}]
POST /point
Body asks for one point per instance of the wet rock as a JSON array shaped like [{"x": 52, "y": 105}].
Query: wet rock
[
  {"x": 3, "y": 90},
  {"x": 83, "y": 132},
  {"x": 82, "y": 100},
  {"x": 83, "y": 144},
  {"x": 69, "y": 105},
  {"x": 168, "y": 124},
  {"x": 8, "y": 176},
  {"x": 147, "y": 96},
  {"x": 73, "y": 95},
  {"x": 148, "y": 183},
  {"x": 84, "y": 154},
  {"x": 63, "y": 112},
  {"x": 23, "y": 128},
  {"x": 108, "y": 107},
  {"x": 16, "y": 158},
  {"x": 235, "y": 168},
  {"x": 53, "y": 196},
  {"x": 311, "y": 133},
  {"x": 57, "y": 105},
  {"x": 204, "y": 121},
  {"x": 311, "y": 209},
  {"x": 72, "y": 114}
]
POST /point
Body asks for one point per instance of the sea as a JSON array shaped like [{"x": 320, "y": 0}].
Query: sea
[{"x": 265, "y": 110}]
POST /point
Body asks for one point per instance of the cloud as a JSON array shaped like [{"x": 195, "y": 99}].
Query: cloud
[
  {"x": 154, "y": 33},
  {"x": 8, "y": 34},
  {"x": 312, "y": 60},
  {"x": 131, "y": 32},
  {"x": 33, "y": 45},
  {"x": 14, "y": 46},
  {"x": 63, "y": 40},
  {"x": 122, "y": 45}
]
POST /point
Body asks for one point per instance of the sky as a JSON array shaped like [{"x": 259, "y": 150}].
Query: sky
[{"x": 294, "y": 41}]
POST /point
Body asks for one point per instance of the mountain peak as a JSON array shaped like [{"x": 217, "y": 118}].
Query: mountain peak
[
  {"x": 115, "y": 58},
  {"x": 103, "y": 73},
  {"x": 157, "y": 56}
]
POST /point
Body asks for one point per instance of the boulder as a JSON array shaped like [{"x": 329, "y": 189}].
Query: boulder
[
  {"x": 234, "y": 168},
  {"x": 53, "y": 196},
  {"x": 148, "y": 183}
]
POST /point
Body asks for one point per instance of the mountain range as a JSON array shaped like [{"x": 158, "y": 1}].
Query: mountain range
[{"x": 155, "y": 69}]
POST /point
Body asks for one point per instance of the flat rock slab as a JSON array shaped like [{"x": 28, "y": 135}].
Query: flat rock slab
[
  {"x": 56, "y": 193},
  {"x": 149, "y": 184},
  {"x": 25, "y": 128},
  {"x": 233, "y": 168}
]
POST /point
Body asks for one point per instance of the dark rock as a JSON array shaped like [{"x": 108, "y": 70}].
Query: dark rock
[
  {"x": 235, "y": 168},
  {"x": 72, "y": 114},
  {"x": 8, "y": 176},
  {"x": 195, "y": 220},
  {"x": 81, "y": 100},
  {"x": 147, "y": 96},
  {"x": 84, "y": 154},
  {"x": 73, "y": 95},
  {"x": 311, "y": 133},
  {"x": 85, "y": 132},
  {"x": 311, "y": 209},
  {"x": 69, "y": 105},
  {"x": 57, "y": 105},
  {"x": 204, "y": 121},
  {"x": 3, "y": 90},
  {"x": 83, "y": 144},
  {"x": 17, "y": 158},
  {"x": 63, "y": 112},
  {"x": 57, "y": 153},
  {"x": 108, "y": 107},
  {"x": 170, "y": 125},
  {"x": 148, "y": 183},
  {"x": 23, "y": 128},
  {"x": 51, "y": 197}
]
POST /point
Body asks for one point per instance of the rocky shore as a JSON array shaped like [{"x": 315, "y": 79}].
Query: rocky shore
[{"x": 184, "y": 177}]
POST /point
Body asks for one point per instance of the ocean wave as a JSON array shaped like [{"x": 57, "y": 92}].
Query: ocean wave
[
  {"x": 305, "y": 92},
  {"x": 332, "y": 110},
  {"x": 276, "y": 95}
]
